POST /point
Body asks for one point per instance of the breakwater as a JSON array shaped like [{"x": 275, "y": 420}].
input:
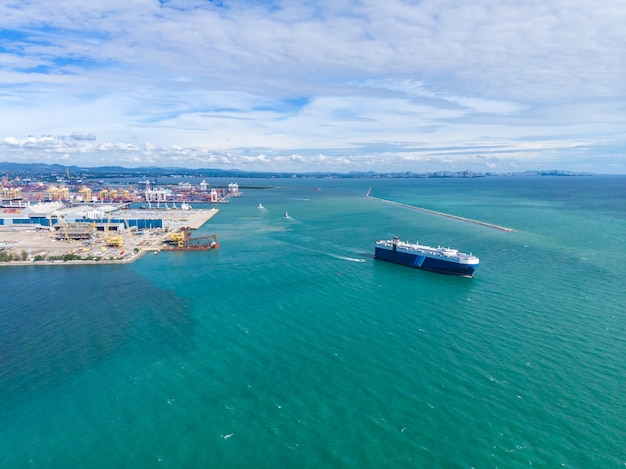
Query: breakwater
[{"x": 433, "y": 212}]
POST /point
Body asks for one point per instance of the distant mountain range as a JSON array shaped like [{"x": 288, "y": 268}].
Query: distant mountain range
[{"x": 53, "y": 171}]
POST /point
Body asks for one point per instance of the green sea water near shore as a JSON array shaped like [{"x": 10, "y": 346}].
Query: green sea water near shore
[{"x": 290, "y": 346}]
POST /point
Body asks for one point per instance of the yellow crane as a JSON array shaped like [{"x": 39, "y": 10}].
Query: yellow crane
[
  {"x": 63, "y": 231},
  {"x": 181, "y": 238},
  {"x": 112, "y": 240}
]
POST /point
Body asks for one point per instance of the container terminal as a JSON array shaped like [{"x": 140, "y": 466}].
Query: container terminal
[
  {"x": 48, "y": 232},
  {"x": 59, "y": 226}
]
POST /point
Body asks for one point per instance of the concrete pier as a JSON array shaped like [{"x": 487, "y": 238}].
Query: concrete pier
[
  {"x": 194, "y": 219},
  {"x": 433, "y": 212},
  {"x": 39, "y": 246}
]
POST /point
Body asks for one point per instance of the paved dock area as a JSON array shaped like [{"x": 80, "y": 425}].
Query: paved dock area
[
  {"x": 172, "y": 218},
  {"x": 38, "y": 242},
  {"x": 433, "y": 212},
  {"x": 194, "y": 219}
]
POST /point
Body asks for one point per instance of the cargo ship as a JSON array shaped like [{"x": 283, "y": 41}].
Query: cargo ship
[{"x": 442, "y": 260}]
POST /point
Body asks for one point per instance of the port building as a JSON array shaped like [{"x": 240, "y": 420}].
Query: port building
[
  {"x": 67, "y": 219},
  {"x": 50, "y": 214}
]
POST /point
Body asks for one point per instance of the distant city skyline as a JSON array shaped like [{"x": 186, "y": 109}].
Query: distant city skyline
[{"x": 330, "y": 85}]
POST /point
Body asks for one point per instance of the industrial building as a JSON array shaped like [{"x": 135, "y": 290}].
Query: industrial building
[{"x": 54, "y": 215}]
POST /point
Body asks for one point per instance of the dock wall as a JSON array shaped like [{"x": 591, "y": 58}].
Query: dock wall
[{"x": 433, "y": 212}]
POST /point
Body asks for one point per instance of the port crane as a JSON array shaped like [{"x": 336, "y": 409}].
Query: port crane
[
  {"x": 182, "y": 240},
  {"x": 116, "y": 241},
  {"x": 63, "y": 230}
]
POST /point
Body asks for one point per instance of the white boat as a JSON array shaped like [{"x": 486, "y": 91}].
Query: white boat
[{"x": 261, "y": 206}]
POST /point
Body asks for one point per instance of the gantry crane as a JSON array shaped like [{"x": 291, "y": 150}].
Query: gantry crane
[{"x": 112, "y": 240}]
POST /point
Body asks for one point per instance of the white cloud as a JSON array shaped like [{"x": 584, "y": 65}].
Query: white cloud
[{"x": 330, "y": 84}]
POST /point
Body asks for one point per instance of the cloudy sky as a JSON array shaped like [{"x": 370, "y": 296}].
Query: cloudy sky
[{"x": 330, "y": 85}]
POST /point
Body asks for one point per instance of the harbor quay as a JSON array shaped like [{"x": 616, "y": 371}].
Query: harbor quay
[
  {"x": 53, "y": 235},
  {"x": 77, "y": 221}
]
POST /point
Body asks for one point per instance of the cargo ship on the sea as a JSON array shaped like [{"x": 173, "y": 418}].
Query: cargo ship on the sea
[{"x": 439, "y": 259}]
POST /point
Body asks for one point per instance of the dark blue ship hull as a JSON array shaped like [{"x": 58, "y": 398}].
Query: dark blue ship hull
[{"x": 424, "y": 262}]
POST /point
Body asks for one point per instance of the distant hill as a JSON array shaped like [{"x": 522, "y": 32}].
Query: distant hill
[
  {"x": 42, "y": 169},
  {"x": 48, "y": 171}
]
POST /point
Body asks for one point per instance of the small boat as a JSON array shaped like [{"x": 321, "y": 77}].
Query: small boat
[
  {"x": 286, "y": 214},
  {"x": 261, "y": 206}
]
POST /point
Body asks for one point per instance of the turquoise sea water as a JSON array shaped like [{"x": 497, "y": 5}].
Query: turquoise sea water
[{"x": 290, "y": 346}]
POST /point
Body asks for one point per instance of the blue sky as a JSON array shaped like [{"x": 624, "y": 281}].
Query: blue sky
[{"x": 328, "y": 85}]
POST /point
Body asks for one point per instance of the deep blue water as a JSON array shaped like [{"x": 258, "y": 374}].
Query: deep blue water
[{"x": 284, "y": 349}]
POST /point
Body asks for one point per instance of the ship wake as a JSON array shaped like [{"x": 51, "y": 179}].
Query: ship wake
[{"x": 344, "y": 258}]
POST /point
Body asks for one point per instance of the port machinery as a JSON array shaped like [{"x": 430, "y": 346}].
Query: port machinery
[
  {"x": 112, "y": 240},
  {"x": 182, "y": 241},
  {"x": 70, "y": 231}
]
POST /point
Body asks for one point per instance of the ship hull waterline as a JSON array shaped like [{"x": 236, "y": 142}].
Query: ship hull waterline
[{"x": 442, "y": 266}]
